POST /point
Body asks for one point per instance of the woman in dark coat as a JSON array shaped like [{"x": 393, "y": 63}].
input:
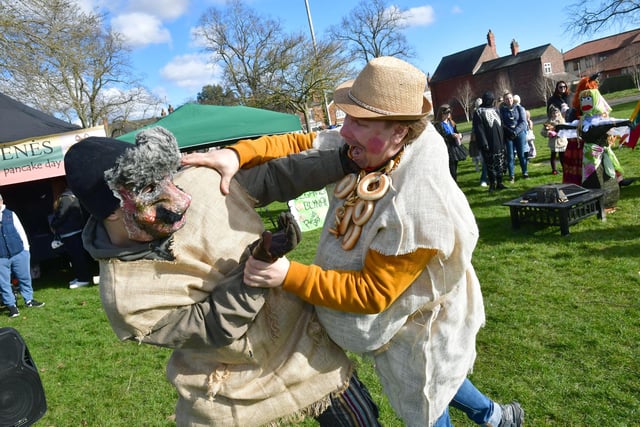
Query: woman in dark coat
[
  {"x": 446, "y": 127},
  {"x": 487, "y": 128},
  {"x": 560, "y": 96}
]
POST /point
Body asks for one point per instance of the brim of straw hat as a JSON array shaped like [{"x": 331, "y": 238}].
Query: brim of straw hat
[{"x": 349, "y": 106}]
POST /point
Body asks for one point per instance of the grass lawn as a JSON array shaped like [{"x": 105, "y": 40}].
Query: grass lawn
[{"x": 562, "y": 334}]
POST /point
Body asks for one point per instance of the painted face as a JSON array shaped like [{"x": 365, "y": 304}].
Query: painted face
[
  {"x": 372, "y": 143},
  {"x": 154, "y": 212},
  {"x": 586, "y": 102},
  {"x": 592, "y": 103}
]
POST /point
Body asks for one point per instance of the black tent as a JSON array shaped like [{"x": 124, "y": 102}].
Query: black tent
[
  {"x": 33, "y": 200},
  {"x": 19, "y": 121}
]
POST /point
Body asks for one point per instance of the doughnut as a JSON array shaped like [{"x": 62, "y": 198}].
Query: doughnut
[
  {"x": 345, "y": 186},
  {"x": 345, "y": 220},
  {"x": 376, "y": 193},
  {"x": 362, "y": 211},
  {"x": 339, "y": 214},
  {"x": 351, "y": 238}
]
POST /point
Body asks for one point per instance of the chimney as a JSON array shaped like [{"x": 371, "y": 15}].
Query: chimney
[
  {"x": 491, "y": 42},
  {"x": 515, "y": 48}
]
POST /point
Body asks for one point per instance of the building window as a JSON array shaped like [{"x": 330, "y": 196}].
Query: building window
[{"x": 546, "y": 67}]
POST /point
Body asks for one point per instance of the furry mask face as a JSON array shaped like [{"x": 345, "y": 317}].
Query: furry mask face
[
  {"x": 154, "y": 212},
  {"x": 153, "y": 207}
]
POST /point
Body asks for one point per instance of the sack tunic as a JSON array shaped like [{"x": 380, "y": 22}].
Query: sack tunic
[
  {"x": 283, "y": 367},
  {"x": 423, "y": 345}
]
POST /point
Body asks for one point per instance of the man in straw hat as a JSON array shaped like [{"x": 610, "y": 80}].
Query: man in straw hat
[
  {"x": 392, "y": 277},
  {"x": 170, "y": 249}
]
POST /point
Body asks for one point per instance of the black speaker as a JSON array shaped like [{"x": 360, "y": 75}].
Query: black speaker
[{"x": 22, "y": 400}]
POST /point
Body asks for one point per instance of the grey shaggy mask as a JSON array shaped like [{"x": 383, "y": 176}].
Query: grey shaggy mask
[{"x": 154, "y": 157}]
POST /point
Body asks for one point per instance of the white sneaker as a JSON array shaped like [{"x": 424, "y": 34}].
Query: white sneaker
[
  {"x": 483, "y": 184},
  {"x": 75, "y": 283}
]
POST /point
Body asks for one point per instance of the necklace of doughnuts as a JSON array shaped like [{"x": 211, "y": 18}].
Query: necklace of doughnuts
[{"x": 360, "y": 193}]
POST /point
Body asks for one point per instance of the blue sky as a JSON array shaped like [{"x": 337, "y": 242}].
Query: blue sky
[{"x": 174, "y": 67}]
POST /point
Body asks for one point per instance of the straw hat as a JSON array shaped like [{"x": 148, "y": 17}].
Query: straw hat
[{"x": 387, "y": 88}]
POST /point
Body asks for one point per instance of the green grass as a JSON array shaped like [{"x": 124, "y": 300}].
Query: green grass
[{"x": 562, "y": 334}]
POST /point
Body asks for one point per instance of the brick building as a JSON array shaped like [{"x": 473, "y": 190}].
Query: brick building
[
  {"x": 610, "y": 56},
  {"x": 462, "y": 77}
]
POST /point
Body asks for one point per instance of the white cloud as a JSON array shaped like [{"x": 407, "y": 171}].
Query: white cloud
[
  {"x": 419, "y": 16},
  {"x": 192, "y": 71},
  {"x": 163, "y": 9},
  {"x": 86, "y": 6},
  {"x": 196, "y": 39},
  {"x": 141, "y": 29},
  {"x": 456, "y": 10}
]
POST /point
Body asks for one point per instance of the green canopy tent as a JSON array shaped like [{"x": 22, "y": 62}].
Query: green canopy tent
[{"x": 197, "y": 126}]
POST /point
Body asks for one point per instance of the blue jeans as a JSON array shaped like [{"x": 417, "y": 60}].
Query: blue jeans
[
  {"x": 520, "y": 145},
  {"x": 478, "y": 407},
  {"x": 20, "y": 266},
  {"x": 483, "y": 174}
]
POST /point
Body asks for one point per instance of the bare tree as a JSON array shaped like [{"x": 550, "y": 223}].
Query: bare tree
[
  {"x": 314, "y": 74},
  {"x": 266, "y": 67},
  {"x": 372, "y": 30},
  {"x": 251, "y": 50},
  {"x": 465, "y": 97},
  {"x": 502, "y": 85},
  {"x": 65, "y": 62},
  {"x": 588, "y": 17},
  {"x": 544, "y": 87}
]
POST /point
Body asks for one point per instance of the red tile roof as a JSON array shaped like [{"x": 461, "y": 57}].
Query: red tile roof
[{"x": 605, "y": 44}]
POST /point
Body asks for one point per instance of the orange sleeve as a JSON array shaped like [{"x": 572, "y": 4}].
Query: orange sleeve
[
  {"x": 253, "y": 152},
  {"x": 371, "y": 290}
]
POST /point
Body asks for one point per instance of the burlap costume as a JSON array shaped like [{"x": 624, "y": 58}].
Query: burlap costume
[
  {"x": 424, "y": 343},
  {"x": 284, "y": 365}
]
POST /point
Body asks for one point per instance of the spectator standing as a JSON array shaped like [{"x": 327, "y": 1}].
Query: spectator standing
[
  {"x": 560, "y": 96},
  {"x": 514, "y": 125},
  {"x": 67, "y": 222},
  {"x": 487, "y": 128},
  {"x": 557, "y": 144},
  {"x": 14, "y": 259},
  {"x": 446, "y": 127},
  {"x": 531, "y": 137},
  {"x": 474, "y": 150}
]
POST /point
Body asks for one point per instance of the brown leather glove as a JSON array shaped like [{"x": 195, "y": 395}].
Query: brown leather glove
[{"x": 272, "y": 246}]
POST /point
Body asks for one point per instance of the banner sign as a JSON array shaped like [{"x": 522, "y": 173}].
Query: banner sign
[
  {"x": 310, "y": 209},
  {"x": 40, "y": 157}
]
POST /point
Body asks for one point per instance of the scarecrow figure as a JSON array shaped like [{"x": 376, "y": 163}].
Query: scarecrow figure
[{"x": 598, "y": 131}]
